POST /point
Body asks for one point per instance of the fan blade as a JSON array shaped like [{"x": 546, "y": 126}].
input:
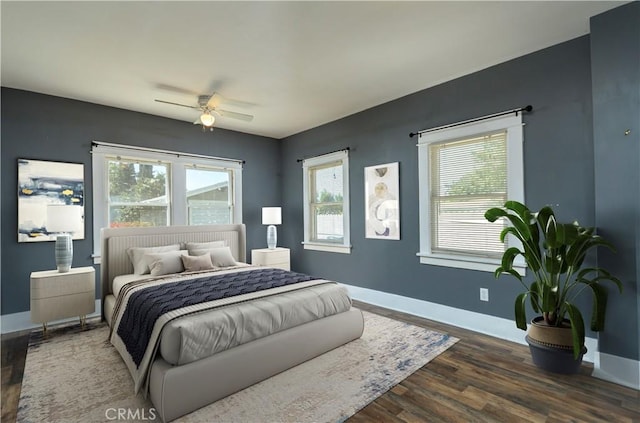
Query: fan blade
[
  {"x": 198, "y": 121},
  {"x": 234, "y": 115},
  {"x": 179, "y": 90},
  {"x": 215, "y": 100},
  {"x": 177, "y": 104}
]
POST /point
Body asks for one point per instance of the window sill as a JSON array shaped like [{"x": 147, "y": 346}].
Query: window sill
[
  {"x": 331, "y": 248},
  {"x": 467, "y": 263}
]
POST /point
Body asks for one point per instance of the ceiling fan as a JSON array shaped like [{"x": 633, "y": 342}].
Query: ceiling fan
[{"x": 208, "y": 105}]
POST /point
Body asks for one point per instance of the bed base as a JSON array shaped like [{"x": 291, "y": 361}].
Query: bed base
[{"x": 179, "y": 390}]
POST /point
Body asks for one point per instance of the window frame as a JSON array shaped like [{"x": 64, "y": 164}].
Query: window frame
[
  {"x": 513, "y": 125},
  {"x": 341, "y": 157},
  {"x": 209, "y": 168},
  {"x": 177, "y": 164}
]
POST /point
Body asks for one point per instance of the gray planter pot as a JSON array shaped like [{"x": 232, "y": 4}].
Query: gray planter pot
[
  {"x": 552, "y": 347},
  {"x": 552, "y": 359}
]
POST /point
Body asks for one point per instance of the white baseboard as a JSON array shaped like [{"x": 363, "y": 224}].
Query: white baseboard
[
  {"x": 620, "y": 370},
  {"x": 612, "y": 368},
  {"x": 16, "y": 322}
]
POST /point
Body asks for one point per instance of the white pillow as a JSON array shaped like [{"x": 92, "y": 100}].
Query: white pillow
[
  {"x": 220, "y": 257},
  {"x": 165, "y": 263},
  {"x": 136, "y": 254},
  {"x": 193, "y": 263},
  {"x": 203, "y": 245}
]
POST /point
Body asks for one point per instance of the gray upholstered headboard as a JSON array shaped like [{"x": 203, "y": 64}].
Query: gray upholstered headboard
[{"x": 115, "y": 241}]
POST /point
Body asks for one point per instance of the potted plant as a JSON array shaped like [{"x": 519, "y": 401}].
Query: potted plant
[{"x": 554, "y": 253}]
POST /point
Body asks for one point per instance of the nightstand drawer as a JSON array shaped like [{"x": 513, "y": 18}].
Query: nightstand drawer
[
  {"x": 51, "y": 288},
  {"x": 278, "y": 257},
  {"x": 273, "y": 258},
  {"x": 54, "y": 308}
]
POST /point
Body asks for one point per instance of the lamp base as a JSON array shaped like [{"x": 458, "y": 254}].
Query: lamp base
[
  {"x": 64, "y": 252},
  {"x": 272, "y": 237}
]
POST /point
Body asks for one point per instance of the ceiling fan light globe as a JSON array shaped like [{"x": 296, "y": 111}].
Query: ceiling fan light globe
[{"x": 207, "y": 119}]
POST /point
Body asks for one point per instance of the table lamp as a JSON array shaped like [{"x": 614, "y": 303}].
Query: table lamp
[
  {"x": 63, "y": 220},
  {"x": 272, "y": 216}
]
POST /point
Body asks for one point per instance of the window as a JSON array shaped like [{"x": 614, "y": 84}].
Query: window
[
  {"x": 209, "y": 200},
  {"x": 326, "y": 203},
  {"x": 135, "y": 186},
  {"x": 463, "y": 171},
  {"x": 138, "y": 193}
]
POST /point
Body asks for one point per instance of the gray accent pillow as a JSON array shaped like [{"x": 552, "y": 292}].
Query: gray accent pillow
[
  {"x": 136, "y": 254},
  {"x": 220, "y": 257},
  {"x": 194, "y": 263},
  {"x": 165, "y": 263},
  {"x": 191, "y": 246}
]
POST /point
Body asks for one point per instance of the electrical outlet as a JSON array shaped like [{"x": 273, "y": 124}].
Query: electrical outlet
[{"x": 484, "y": 294}]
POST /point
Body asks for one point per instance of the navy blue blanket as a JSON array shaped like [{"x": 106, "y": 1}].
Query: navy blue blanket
[{"x": 146, "y": 305}]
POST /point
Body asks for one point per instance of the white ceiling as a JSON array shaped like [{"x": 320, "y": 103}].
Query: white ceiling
[{"x": 299, "y": 64}]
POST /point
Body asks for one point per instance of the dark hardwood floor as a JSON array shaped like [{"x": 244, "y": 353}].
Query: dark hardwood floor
[{"x": 479, "y": 379}]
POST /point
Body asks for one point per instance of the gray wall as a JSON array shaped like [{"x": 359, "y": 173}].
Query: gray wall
[
  {"x": 41, "y": 127},
  {"x": 615, "y": 64},
  {"x": 559, "y": 170}
]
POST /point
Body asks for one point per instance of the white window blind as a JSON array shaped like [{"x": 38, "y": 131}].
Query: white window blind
[
  {"x": 464, "y": 170},
  {"x": 468, "y": 177}
]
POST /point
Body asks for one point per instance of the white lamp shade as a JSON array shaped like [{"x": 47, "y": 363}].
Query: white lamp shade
[
  {"x": 64, "y": 218},
  {"x": 271, "y": 215}
]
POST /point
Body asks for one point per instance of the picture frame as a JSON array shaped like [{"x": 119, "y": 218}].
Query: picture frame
[
  {"x": 382, "y": 201},
  {"x": 50, "y": 200}
]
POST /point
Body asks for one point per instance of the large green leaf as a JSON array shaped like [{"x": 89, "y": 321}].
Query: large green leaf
[
  {"x": 601, "y": 275},
  {"x": 507, "y": 258},
  {"x": 577, "y": 251},
  {"x": 599, "y": 306},
  {"x": 519, "y": 209},
  {"x": 521, "y": 316},
  {"x": 543, "y": 216},
  {"x": 512, "y": 272},
  {"x": 550, "y": 232},
  {"x": 510, "y": 230},
  {"x": 521, "y": 226},
  {"x": 494, "y": 214},
  {"x": 577, "y": 328}
]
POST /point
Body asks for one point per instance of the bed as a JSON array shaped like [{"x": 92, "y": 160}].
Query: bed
[{"x": 177, "y": 385}]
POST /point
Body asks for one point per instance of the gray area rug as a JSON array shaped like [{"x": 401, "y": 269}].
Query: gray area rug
[{"x": 79, "y": 377}]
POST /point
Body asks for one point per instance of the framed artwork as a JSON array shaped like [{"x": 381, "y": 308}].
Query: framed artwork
[
  {"x": 50, "y": 200},
  {"x": 382, "y": 206}
]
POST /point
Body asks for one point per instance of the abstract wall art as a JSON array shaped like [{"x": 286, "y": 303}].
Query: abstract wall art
[
  {"x": 382, "y": 206},
  {"x": 50, "y": 200}
]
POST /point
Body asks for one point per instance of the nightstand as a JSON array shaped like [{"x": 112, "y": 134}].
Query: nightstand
[
  {"x": 56, "y": 295},
  {"x": 278, "y": 257}
]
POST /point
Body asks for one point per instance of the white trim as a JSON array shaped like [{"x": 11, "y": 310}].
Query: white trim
[
  {"x": 620, "y": 370},
  {"x": 17, "y": 322},
  {"x": 343, "y": 249},
  {"x": 469, "y": 263},
  {"x": 515, "y": 185}
]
